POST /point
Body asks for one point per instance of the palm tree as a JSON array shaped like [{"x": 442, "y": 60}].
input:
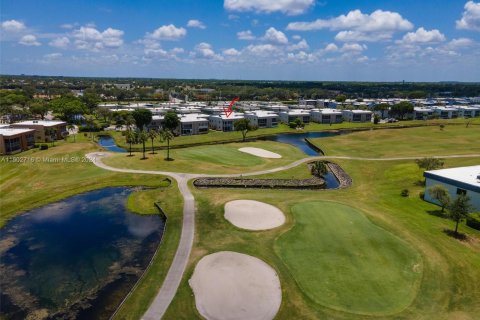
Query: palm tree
[
  {"x": 143, "y": 137},
  {"x": 129, "y": 122},
  {"x": 166, "y": 135},
  {"x": 130, "y": 136},
  {"x": 152, "y": 134},
  {"x": 318, "y": 169}
]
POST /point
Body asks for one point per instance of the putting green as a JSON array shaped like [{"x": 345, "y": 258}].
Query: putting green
[{"x": 343, "y": 261}]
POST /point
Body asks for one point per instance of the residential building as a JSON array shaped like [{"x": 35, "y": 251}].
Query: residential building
[
  {"x": 45, "y": 130},
  {"x": 191, "y": 124},
  {"x": 262, "y": 118},
  {"x": 223, "y": 123},
  {"x": 326, "y": 116},
  {"x": 357, "y": 115},
  {"x": 461, "y": 180},
  {"x": 13, "y": 140},
  {"x": 421, "y": 113},
  {"x": 468, "y": 111},
  {"x": 291, "y": 115},
  {"x": 445, "y": 112}
]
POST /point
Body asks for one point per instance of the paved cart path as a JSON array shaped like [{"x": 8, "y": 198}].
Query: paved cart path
[{"x": 174, "y": 276}]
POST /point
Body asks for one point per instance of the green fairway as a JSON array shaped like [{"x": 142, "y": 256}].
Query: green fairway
[
  {"x": 421, "y": 141},
  {"x": 343, "y": 261},
  {"x": 222, "y": 158}
]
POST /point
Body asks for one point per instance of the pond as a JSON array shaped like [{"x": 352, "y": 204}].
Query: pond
[
  {"x": 108, "y": 143},
  {"x": 76, "y": 258},
  {"x": 298, "y": 139}
]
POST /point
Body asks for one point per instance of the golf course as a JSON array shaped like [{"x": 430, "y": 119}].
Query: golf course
[{"x": 363, "y": 252}]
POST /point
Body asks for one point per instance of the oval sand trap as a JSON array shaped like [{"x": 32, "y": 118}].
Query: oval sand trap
[
  {"x": 235, "y": 286},
  {"x": 260, "y": 152},
  {"x": 253, "y": 215}
]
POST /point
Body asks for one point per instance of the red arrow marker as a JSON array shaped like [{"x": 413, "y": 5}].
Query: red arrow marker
[{"x": 229, "y": 111}]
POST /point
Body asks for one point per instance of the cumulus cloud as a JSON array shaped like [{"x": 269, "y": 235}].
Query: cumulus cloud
[
  {"x": 331, "y": 47},
  {"x": 196, "y": 24},
  {"x": 167, "y": 32},
  {"x": 29, "y": 40},
  {"x": 53, "y": 56},
  {"x": 357, "y": 26},
  {"x": 205, "y": 51},
  {"x": 13, "y": 26},
  {"x": 353, "y": 47},
  {"x": 289, "y": 7},
  {"x": 61, "y": 42},
  {"x": 274, "y": 36},
  {"x": 89, "y": 38},
  {"x": 423, "y": 36},
  {"x": 245, "y": 35},
  {"x": 471, "y": 17},
  {"x": 301, "y": 57},
  {"x": 232, "y": 52},
  {"x": 262, "y": 49},
  {"x": 301, "y": 45}
]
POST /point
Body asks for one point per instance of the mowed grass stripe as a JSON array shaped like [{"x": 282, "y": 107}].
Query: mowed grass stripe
[{"x": 343, "y": 261}]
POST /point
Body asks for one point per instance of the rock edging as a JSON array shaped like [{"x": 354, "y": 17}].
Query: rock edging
[
  {"x": 312, "y": 183},
  {"x": 343, "y": 178}
]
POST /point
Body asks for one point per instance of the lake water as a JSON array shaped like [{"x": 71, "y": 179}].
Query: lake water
[
  {"x": 108, "y": 143},
  {"x": 76, "y": 258},
  {"x": 298, "y": 139}
]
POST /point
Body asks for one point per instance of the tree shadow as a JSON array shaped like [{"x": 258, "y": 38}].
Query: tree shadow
[
  {"x": 419, "y": 183},
  {"x": 459, "y": 236},
  {"x": 168, "y": 159},
  {"x": 130, "y": 155},
  {"x": 144, "y": 158},
  {"x": 437, "y": 213}
]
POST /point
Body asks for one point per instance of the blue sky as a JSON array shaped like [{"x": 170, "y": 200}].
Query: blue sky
[{"x": 369, "y": 40}]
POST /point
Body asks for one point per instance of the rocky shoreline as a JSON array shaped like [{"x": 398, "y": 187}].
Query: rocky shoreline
[
  {"x": 343, "y": 178},
  {"x": 312, "y": 183}
]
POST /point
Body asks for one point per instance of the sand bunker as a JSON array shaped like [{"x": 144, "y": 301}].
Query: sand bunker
[
  {"x": 253, "y": 215},
  {"x": 260, "y": 152},
  {"x": 234, "y": 286}
]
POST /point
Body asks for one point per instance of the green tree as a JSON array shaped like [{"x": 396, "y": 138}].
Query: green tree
[
  {"x": 319, "y": 168},
  {"x": 39, "y": 108},
  {"x": 440, "y": 193},
  {"x": 104, "y": 112},
  {"x": 429, "y": 163},
  {"x": 244, "y": 126},
  {"x": 142, "y": 117},
  {"x": 91, "y": 100},
  {"x": 341, "y": 98},
  {"x": 130, "y": 137},
  {"x": 166, "y": 135},
  {"x": 402, "y": 109},
  {"x": 171, "y": 121},
  {"x": 459, "y": 210},
  {"x": 152, "y": 135},
  {"x": 67, "y": 106},
  {"x": 143, "y": 137}
]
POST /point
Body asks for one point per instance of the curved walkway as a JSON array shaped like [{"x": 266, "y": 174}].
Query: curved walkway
[{"x": 174, "y": 276}]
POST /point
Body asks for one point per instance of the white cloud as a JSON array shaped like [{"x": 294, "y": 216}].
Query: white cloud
[
  {"x": 196, "y": 24},
  {"x": 69, "y": 25},
  {"x": 29, "y": 40},
  {"x": 379, "y": 20},
  {"x": 167, "y": 32},
  {"x": 331, "y": 47},
  {"x": 262, "y": 49},
  {"x": 89, "y": 38},
  {"x": 274, "y": 36},
  {"x": 353, "y": 47},
  {"x": 471, "y": 17},
  {"x": 245, "y": 35},
  {"x": 460, "y": 43},
  {"x": 53, "y": 56},
  {"x": 423, "y": 36},
  {"x": 61, "y": 42},
  {"x": 296, "y": 37},
  {"x": 353, "y": 36},
  {"x": 301, "y": 57},
  {"x": 289, "y": 7},
  {"x": 233, "y": 17},
  {"x": 204, "y": 51},
  {"x": 301, "y": 45},
  {"x": 177, "y": 50},
  {"x": 231, "y": 52},
  {"x": 13, "y": 26}
]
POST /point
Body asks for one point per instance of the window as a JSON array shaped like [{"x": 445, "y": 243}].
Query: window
[
  {"x": 262, "y": 122},
  {"x": 462, "y": 192}
]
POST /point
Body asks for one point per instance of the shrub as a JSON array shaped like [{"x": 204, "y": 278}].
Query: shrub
[
  {"x": 43, "y": 147},
  {"x": 473, "y": 221},
  {"x": 422, "y": 195},
  {"x": 292, "y": 125},
  {"x": 405, "y": 193}
]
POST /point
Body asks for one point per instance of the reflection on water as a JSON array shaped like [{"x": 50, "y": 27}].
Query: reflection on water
[
  {"x": 75, "y": 259},
  {"x": 108, "y": 143},
  {"x": 298, "y": 139}
]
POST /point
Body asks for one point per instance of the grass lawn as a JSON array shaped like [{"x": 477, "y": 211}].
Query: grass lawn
[
  {"x": 343, "y": 261},
  {"x": 219, "y": 159},
  {"x": 215, "y": 136},
  {"x": 421, "y": 141},
  {"x": 450, "y": 282},
  {"x": 37, "y": 182}
]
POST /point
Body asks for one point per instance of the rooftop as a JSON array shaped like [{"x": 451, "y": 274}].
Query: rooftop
[
  {"x": 467, "y": 175},
  {"x": 7, "y": 132},
  {"x": 45, "y": 123}
]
